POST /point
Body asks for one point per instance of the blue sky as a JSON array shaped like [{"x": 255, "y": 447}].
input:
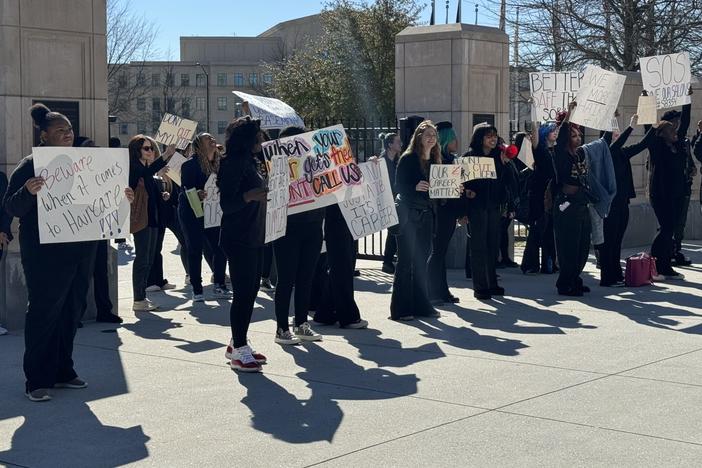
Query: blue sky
[{"x": 250, "y": 18}]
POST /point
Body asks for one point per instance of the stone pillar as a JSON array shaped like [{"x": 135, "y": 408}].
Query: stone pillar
[
  {"x": 53, "y": 52},
  {"x": 455, "y": 72}
]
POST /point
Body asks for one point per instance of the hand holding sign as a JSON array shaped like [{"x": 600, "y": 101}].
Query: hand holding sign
[{"x": 34, "y": 184}]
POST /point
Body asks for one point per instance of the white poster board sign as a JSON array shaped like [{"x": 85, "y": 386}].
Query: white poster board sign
[
  {"x": 272, "y": 112},
  {"x": 445, "y": 181},
  {"x": 174, "y": 165},
  {"x": 551, "y": 92},
  {"x": 278, "y": 198},
  {"x": 598, "y": 98},
  {"x": 374, "y": 210},
  {"x": 474, "y": 167},
  {"x": 526, "y": 153},
  {"x": 210, "y": 205},
  {"x": 646, "y": 110},
  {"x": 83, "y": 196},
  {"x": 668, "y": 78},
  {"x": 175, "y": 130}
]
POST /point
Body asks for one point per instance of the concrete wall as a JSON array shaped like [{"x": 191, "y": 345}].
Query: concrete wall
[{"x": 49, "y": 51}]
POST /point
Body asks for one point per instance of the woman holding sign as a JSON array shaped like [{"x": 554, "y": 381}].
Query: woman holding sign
[
  {"x": 57, "y": 275},
  {"x": 416, "y": 212},
  {"x": 194, "y": 175}
]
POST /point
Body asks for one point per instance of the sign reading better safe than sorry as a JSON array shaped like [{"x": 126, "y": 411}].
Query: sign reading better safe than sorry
[
  {"x": 551, "y": 92},
  {"x": 668, "y": 78},
  {"x": 598, "y": 98},
  {"x": 83, "y": 195},
  {"x": 322, "y": 168},
  {"x": 175, "y": 130},
  {"x": 272, "y": 112}
]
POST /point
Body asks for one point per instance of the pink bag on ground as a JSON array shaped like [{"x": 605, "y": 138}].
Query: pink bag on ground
[{"x": 640, "y": 270}]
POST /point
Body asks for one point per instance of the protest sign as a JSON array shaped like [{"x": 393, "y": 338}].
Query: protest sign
[
  {"x": 272, "y": 112},
  {"x": 175, "y": 130},
  {"x": 321, "y": 165},
  {"x": 667, "y": 77},
  {"x": 278, "y": 198},
  {"x": 374, "y": 209},
  {"x": 526, "y": 153},
  {"x": 598, "y": 98},
  {"x": 211, "y": 208},
  {"x": 614, "y": 125},
  {"x": 174, "y": 165},
  {"x": 195, "y": 202},
  {"x": 647, "y": 110},
  {"x": 444, "y": 181},
  {"x": 474, "y": 167},
  {"x": 83, "y": 195},
  {"x": 551, "y": 92}
]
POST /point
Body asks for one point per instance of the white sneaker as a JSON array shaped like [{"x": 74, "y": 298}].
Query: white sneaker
[
  {"x": 144, "y": 306},
  {"x": 221, "y": 292},
  {"x": 229, "y": 352},
  {"x": 305, "y": 333},
  {"x": 243, "y": 360},
  {"x": 3, "y": 331},
  {"x": 152, "y": 288},
  {"x": 286, "y": 338},
  {"x": 198, "y": 297},
  {"x": 124, "y": 246},
  {"x": 357, "y": 325}
]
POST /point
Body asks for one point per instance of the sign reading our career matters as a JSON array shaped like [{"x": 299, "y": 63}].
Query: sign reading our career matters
[
  {"x": 210, "y": 205},
  {"x": 474, "y": 167},
  {"x": 374, "y": 209},
  {"x": 175, "y": 130},
  {"x": 551, "y": 92},
  {"x": 272, "y": 112},
  {"x": 667, "y": 77},
  {"x": 322, "y": 168},
  {"x": 278, "y": 198},
  {"x": 598, "y": 98},
  {"x": 445, "y": 181},
  {"x": 83, "y": 195}
]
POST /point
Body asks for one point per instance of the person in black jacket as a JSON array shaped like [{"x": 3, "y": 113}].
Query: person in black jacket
[
  {"x": 416, "y": 229},
  {"x": 5, "y": 218},
  {"x": 194, "y": 174},
  {"x": 615, "y": 224},
  {"x": 57, "y": 275},
  {"x": 392, "y": 145},
  {"x": 510, "y": 181},
  {"x": 243, "y": 195},
  {"x": 145, "y": 161}
]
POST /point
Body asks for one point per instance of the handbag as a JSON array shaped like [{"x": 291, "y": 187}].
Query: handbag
[
  {"x": 640, "y": 270},
  {"x": 139, "y": 209}
]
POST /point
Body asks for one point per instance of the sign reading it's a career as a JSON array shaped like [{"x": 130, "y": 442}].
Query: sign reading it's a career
[
  {"x": 83, "y": 195},
  {"x": 175, "y": 130},
  {"x": 445, "y": 181},
  {"x": 667, "y": 77},
  {"x": 474, "y": 167}
]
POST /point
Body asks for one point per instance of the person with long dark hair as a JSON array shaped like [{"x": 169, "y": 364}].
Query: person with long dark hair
[
  {"x": 145, "y": 160},
  {"x": 416, "y": 215},
  {"x": 194, "y": 174},
  {"x": 508, "y": 207},
  {"x": 392, "y": 146},
  {"x": 243, "y": 195},
  {"x": 57, "y": 275}
]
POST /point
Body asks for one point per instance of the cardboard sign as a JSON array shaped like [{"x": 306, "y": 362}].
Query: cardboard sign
[
  {"x": 668, "y": 78},
  {"x": 551, "y": 92},
  {"x": 526, "y": 153},
  {"x": 211, "y": 208},
  {"x": 174, "y": 165},
  {"x": 273, "y": 113},
  {"x": 598, "y": 98},
  {"x": 83, "y": 197},
  {"x": 278, "y": 198},
  {"x": 473, "y": 167},
  {"x": 444, "y": 181},
  {"x": 374, "y": 209},
  {"x": 647, "y": 110},
  {"x": 175, "y": 130},
  {"x": 321, "y": 165}
]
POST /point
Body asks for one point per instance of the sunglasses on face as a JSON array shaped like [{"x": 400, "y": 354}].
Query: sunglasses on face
[{"x": 147, "y": 148}]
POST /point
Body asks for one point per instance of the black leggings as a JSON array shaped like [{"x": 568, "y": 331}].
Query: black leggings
[
  {"x": 196, "y": 236},
  {"x": 245, "y": 272}
]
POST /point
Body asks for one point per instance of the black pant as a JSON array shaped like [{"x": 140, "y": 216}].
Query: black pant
[
  {"x": 437, "y": 283},
  {"x": 409, "y": 289},
  {"x": 267, "y": 260},
  {"x": 296, "y": 256},
  {"x": 540, "y": 250},
  {"x": 484, "y": 229},
  {"x": 144, "y": 251},
  {"x": 196, "y": 237},
  {"x": 667, "y": 212},
  {"x": 245, "y": 272},
  {"x": 610, "y": 252},
  {"x": 156, "y": 272},
  {"x": 572, "y": 229},
  {"x": 57, "y": 289},
  {"x": 505, "y": 224},
  {"x": 467, "y": 265},
  {"x": 101, "y": 283},
  {"x": 681, "y": 221},
  {"x": 390, "y": 248}
]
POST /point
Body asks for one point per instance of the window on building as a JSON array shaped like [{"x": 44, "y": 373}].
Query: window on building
[
  {"x": 200, "y": 80},
  {"x": 238, "y": 112},
  {"x": 170, "y": 80},
  {"x": 221, "y": 79},
  {"x": 200, "y": 104},
  {"x": 156, "y": 104},
  {"x": 155, "y": 79},
  {"x": 124, "y": 129},
  {"x": 239, "y": 79},
  {"x": 171, "y": 105},
  {"x": 141, "y": 104},
  {"x": 141, "y": 79},
  {"x": 184, "y": 80},
  {"x": 141, "y": 126},
  {"x": 221, "y": 126},
  {"x": 155, "y": 124},
  {"x": 267, "y": 78},
  {"x": 185, "y": 107},
  {"x": 123, "y": 80},
  {"x": 222, "y": 103},
  {"x": 253, "y": 79}
]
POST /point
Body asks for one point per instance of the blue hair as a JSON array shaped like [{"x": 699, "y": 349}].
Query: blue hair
[{"x": 544, "y": 130}]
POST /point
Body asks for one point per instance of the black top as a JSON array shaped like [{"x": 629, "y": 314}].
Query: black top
[
  {"x": 489, "y": 193},
  {"x": 139, "y": 171},
  {"x": 409, "y": 174},
  {"x": 668, "y": 166},
  {"x": 571, "y": 169},
  {"x": 392, "y": 169},
  {"x": 544, "y": 172},
  {"x": 621, "y": 159},
  {"x": 5, "y": 218},
  {"x": 242, "y": 223},
  {"x": 192, "y": 177}
]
